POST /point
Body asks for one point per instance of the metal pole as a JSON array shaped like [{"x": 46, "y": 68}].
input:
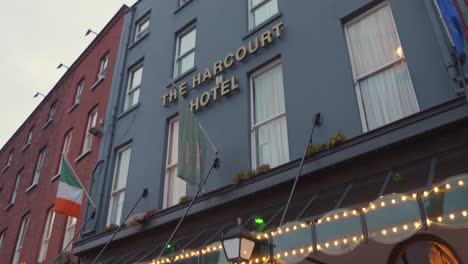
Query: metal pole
[
  {"x": 317, "y": 122},
  {"x": 75, "y": 236},
  {"x": 143, "y": 195},
  {"x": 214, "y": 165}
]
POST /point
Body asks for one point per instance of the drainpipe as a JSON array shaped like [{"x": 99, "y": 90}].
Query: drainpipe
[
  {"x": 115, "y": 110},
  {"x": 444, "y": 44}
]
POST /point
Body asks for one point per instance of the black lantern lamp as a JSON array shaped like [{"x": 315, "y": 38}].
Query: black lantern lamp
[{"x": 238, "y": 244}]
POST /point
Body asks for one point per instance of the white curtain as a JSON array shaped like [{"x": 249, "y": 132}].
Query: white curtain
[
  {"x": 272, "y": 134},
  {"x": 175, "y": 186},
  {"x": 387, "y": 95}
]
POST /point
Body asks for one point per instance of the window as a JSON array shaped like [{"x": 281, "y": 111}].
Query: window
[
  {"x": 261, "y": 10},
  {"x": 16, "y": 188},
  {"x": 174, "y": 187},
  {"x": 52, "y": 111},
  {"x": 65, "y": 149},
  {"x": 103, "y": 67},
  {"x": 46, "y": 235},
  {"x": 134, "y": 85},
  {"x": 382, "y": 81},
  {"x": 119, "y": 185},
  {"x": 185, "y": 50},
  {"x": 2, "y": 237},
  {"x": 29, "y": 138},
  {"x": 142, "y": 27},
  {"x": 269, "y": 126},
  {"x": 424, "y": 248},
  {"x": 21, "y": 236},
  {"x": 79, "y": 90},
  {"x": 69, "y": 233},
  {"x": 8, "y": 161},
  {"x": 39, "y": 164},
  {"x": 88, "y": 141}
]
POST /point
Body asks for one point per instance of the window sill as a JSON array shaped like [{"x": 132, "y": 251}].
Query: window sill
[
  {"x": 82, "y": 156},
  {"x": 25, "y": 147},
  {"x": 73, "y": 107},
  {"x": 128, "y": 111},
  {"x": 261, "y": 26},
  {"x": 31, "y": 187},
  {"x": 55, "y": 177},
  {"x": 180, "y": 7},
  {"x": 183, "y": 75},
  {"x": 47, "y": 124},
  {"x": 6, "y": 167},
  {"x": 9, "y": 206},
  {"x": 97, "y": 83},
  {"x": 136, "y": 41}
]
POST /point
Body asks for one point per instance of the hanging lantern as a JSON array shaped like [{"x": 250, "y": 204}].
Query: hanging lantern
[{"x": 238, "y": 244}]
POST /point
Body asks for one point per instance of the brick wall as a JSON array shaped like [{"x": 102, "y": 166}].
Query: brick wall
[{"x": 39, "y": 199}]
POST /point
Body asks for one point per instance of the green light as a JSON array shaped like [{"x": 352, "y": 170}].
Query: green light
[
  {"x": 259, "y": 221},
  {"x": 169, "y": 246}
]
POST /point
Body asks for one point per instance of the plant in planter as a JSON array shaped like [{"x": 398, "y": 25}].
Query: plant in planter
[
  {"x": 336, "y": 140},
  {"x": 239, "y": 177},
  {"x": 64, "y": 258},
  {"x": 135, "y": 220},
  {"x": 149, "y": 215},
  {"x": 185, "y": 199},
  {"x": 262, "y": 169},
  {"x": 314, "y": 149},
  {"x": 110, "y": 227}
]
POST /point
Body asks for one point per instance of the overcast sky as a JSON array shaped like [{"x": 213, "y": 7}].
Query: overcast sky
[{"x": 37, "y": 35}]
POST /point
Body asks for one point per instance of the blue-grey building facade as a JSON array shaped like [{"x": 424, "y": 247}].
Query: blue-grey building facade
[{"x": 255, "y": 73}]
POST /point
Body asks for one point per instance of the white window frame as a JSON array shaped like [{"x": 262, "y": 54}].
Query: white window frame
[
  {"x": 69, "y": 233},
  {"x": 358, "y": 79},
  {"x": 168, "y": 182},
  {"x": 116, "y": 192},
  {"x": 29, "y": 138},
  {"x": 103, "y": 67},
  {"x": 52, "y": 112},
  {"x": 49, "y": 224},
  {"x": 140, "y": 32},
  {"x": 79, "y": 91},
  {"x": 20, "y": 239},
  {"x": 39, "y": 165},
  {"x": 88, "y": 140},
  {"x": 255, "y": 125},
  {"x": 253, "y": 8},
  {"x": 130, "y": 89},
  {"x": 8, "y": 161},
  {"x": 16, "y": 188},
  {"x": 178, "y": 56},
  {"x": 2, "y": 238},
  {"x": 65, "y": 149}
]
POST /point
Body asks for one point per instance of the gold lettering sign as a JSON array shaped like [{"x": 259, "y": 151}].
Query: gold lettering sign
[{"x": 222, "y": 88}]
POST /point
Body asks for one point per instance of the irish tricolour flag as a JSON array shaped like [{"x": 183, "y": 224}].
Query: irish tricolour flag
[{"x": 69, "y": 193}]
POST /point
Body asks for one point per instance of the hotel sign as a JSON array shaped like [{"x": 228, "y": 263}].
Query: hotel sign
[{"x": 223, "y": 86}]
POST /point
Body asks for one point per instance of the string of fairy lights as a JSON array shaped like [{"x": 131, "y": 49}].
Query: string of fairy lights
[{"x": 336, "y": 242}]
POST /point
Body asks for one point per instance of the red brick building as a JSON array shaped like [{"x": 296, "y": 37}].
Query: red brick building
[{"x": 30, "y": 161}]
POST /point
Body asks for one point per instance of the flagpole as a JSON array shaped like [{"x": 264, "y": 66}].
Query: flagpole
[
  {"x": 317, "y": 123},
  {"x": 213, "y": 165},
  {"x": 143, "y": 195},
  {"x": 79, "y": 181},
  {"x": 75, "y": 236}
]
